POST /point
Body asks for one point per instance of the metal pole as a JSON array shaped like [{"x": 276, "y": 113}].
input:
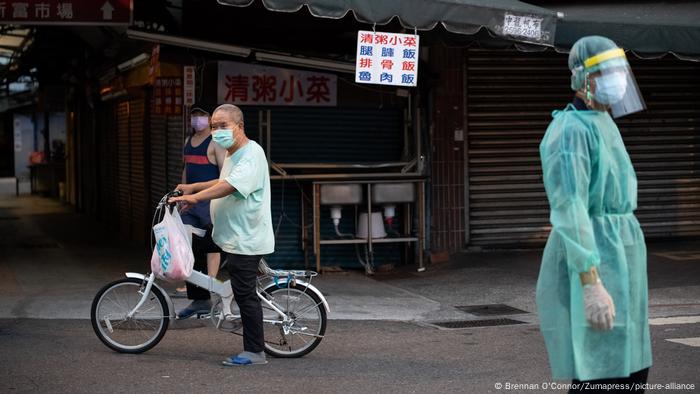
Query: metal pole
[
  {"x": 317, "y": 225},
  {"x": 304, "y": 233},
  {"x": 421, "y": 226},
  {"x": 370, "y": 259}
]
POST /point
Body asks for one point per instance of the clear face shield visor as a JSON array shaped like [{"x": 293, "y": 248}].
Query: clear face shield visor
[{"x": 610, "y": 82}]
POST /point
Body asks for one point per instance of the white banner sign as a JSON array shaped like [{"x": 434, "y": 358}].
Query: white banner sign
[
  {"x": 18, "y": 135},
  {"x": 189, "y": 85},
  {"x": 387, "y": 58},
  {"x": 251, "y": 84},
  {"x": 523, "y": 26}
]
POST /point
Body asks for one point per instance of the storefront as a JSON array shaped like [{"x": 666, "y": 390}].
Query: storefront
[{"x": 509, "y": 99}]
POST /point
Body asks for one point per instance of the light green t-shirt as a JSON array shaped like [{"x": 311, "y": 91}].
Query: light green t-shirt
[{"x": 243, "y": 220}]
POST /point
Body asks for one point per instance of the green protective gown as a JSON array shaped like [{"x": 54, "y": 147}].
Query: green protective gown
[{"x": 592, "y": 192}]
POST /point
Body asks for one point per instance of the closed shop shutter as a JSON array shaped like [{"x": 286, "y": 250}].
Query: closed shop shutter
[
  {"x": 175, "y": 143},
  {"x": 123, "y": 171},
  {"x": 131, "y": 190},
  {"x": 108, "y": 165},
  {"x": 663, "y": 143},
  {"x": 323, "y": 135},
  {"x": 158, "y": 159},
  {"x": 138, "y": 168},
  {"x": 167, "y": 142},
  {"x": 510, "y": 97}
]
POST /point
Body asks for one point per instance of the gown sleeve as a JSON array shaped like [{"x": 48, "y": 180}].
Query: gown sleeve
[{"x": 567, "y": 177}]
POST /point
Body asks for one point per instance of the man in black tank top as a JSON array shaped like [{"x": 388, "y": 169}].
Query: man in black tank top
[{"x": 202, "y": 163}]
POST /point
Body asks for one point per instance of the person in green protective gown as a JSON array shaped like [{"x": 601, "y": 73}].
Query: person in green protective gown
[{"x": 592, "y": 288}]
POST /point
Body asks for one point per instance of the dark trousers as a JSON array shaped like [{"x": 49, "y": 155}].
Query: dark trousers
[
  {"x": 244, "y": 274},
  {"x": 200, "y": 247},
  {"x": 637, "y": 378}
]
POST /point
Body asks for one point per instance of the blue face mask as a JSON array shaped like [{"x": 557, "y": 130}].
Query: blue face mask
[
  {"x": 610, "y": 88},
  {"x": 223, "y": 137}
]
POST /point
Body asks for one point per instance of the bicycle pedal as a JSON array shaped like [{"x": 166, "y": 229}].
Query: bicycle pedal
[
  {"x": 204, "y": 316},
  {"x": 231, "y": 325}
]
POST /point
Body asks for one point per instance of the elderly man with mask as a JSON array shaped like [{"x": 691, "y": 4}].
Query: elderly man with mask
[
  {"x": 592, "y": 287},
  {"x": 242, "y": 218}
]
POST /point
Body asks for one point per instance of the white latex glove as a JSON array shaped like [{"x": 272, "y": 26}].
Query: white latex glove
[{"x": 598, "y": 306}]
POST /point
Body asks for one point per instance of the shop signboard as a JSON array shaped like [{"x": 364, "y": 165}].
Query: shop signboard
[
  {"x": 167, "y": 96},
  {"x": 252, "y": 84},
  {"x": 189, "y": 85},
  {"x": 387, "y": 58},
  {"x": 66, "y": 12}
]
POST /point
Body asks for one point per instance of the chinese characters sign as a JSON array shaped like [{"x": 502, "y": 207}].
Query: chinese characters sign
[
  {"x": 66, "y": 12},
  {"x": 189, "y": 85},
  {"x": 387, "y": 58},
  {"x": 167, "y": 96},
  {"x": 523, "y": 26},
  {"x": 250, "y": 84}
]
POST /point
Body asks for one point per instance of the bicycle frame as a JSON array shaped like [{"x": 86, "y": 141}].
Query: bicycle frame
[{"x": 223, "y": 289}]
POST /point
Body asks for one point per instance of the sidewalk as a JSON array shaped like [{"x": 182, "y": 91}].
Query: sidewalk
[{"x": 53, "y": 261}]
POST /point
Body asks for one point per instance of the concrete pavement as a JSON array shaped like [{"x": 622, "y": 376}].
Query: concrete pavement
[{"x": 53, "y": 261}]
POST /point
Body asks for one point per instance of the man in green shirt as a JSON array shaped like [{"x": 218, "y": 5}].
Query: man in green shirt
[{"x": 242, "y": 219}]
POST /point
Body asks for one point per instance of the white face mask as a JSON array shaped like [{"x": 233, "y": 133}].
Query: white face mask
[{"x": 610, "y": 88}]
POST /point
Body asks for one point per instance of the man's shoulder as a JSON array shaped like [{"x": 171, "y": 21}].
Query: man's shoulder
[{"x": 254, "y": 149}]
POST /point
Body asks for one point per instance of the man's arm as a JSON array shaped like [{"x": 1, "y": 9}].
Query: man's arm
[
  {"x": 184, "y": 164},
  {"x": 218, "y": 190},
  {"x": 219, "y": 154},
  {"x": 200, "y": 186}
]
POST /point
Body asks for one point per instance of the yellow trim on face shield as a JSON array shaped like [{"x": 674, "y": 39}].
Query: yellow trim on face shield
[{"x": 601, "y": 57}]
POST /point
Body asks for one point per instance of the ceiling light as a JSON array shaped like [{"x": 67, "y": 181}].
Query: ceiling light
[{"x": 137, "y": 61}]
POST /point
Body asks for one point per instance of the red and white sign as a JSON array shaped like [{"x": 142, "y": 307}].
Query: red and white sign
[
  {"x": 387, "y": 58},
  {"x": 251, "y": 84},
  {"x": 188, "y": 74},
  {"x": 66, "y": 12},
  {"x": 167, "y": 96}
]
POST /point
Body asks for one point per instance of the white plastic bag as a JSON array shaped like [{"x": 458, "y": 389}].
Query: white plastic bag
[{"x": 172, "y": 257}]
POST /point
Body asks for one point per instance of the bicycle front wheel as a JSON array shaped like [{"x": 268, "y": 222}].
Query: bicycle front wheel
[
  {"x": 124, "y": 334},
  {"x": 306, "y": 323}
]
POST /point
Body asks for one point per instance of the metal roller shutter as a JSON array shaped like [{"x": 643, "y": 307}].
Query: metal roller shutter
[
  {"x": 175, "y": 142},
  {"x": 158, "y": 158},
  {"x": 131, "y": 190},
  {"x": 139, "y": 199},
  {"x": 663, "y": 144},
  {"x": 317, "y": 135},
  {"x": 510, "y": 96},
  {"x": 108, "y": 165},
  {"x": 336, "y": 135},
  {"x": 123, "y": 191}
]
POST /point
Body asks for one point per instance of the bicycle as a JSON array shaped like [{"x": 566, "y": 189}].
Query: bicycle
[{"x": 131, "y": 315}]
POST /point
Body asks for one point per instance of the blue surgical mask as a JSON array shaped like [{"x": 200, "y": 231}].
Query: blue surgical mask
[
  {"x": 610, "y": 88},
  {"x": 199, "y": 123},
  {"x": 224, "y": 137}
]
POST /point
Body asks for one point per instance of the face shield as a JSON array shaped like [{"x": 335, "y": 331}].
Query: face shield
[{"x": 610, "y": 82}]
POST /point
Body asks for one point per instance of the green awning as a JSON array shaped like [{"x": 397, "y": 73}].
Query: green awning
[
  {"x": 510, "y": 19},
  {"x": 644, "y": 27},
  {"x": 648, "y": 28}
]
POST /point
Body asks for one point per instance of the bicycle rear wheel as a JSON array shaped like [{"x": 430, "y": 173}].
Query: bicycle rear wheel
[
  {"x": 119, "y": 332},
  {"x": 306, "y": 327}
]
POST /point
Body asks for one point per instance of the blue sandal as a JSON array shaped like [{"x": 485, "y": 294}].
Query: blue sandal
[{"x": 245, "y": 358}]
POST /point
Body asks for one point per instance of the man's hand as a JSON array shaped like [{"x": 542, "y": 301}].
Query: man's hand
[
  {"x": 184, "y": 202},
  {"x": 185, "y": 189}
]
